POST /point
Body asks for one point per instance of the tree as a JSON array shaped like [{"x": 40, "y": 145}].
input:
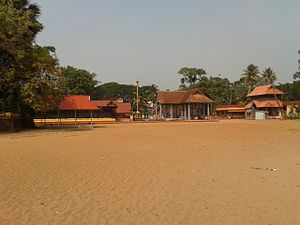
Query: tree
[
  {"x": 190, "y": 75},
  {"x": 28, "y": 72},
  {"x": 268, "y": 76},
  {"x": 251, "y": 76},
  {"x": 296, "y": 76},
  {"x": 78, "y": 81},
  {"x": 127, "y": 92}
]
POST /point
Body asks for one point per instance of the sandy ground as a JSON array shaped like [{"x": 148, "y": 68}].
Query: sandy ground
[{"x": 221, "y": 173}]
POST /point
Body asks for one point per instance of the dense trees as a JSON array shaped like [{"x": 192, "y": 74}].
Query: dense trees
[
  {"x": 127, "y": 93},
  {"x": 268, "y": 76},
  {"x": 251, "y": 76},
  {"x": 292, "y": 90},
  {"x": 223, "y": 91},
  {"x": 28, "y": 72},
  {"x": 78, "y": 81},
  {"x": 220, "y": 89}
]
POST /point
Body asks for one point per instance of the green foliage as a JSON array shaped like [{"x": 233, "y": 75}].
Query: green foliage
[
  {"x": 291, "y": 90},
  {"x": 113, "y": 90},
  {"x": 219, "y": 89},
  {"x": 29, "y": 73},
  {"x": 190, "y": 76},
  {"x": 251, "y": 76},
  {"x": 268, "y": 76},
  {"x": 78, "y": 81}
]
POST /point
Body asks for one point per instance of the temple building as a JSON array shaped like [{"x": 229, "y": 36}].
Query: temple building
[
  {"x": 265, "y": 103},
  {"x": 81, "y": 106},
  {"x": 187, "y": 105},
  {"x": 230, "y": 112}
]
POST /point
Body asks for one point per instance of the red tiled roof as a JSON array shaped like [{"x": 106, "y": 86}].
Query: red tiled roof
[
  {"x": 264, "y": 90},
  {"x": 77, "y": 102},
  {"x": 103, "y": 103},
  {"x": 249, "y": 105},
  {"x": 297, "y": 102},
  {"x": 268, "y": 104},
  {"x": 265, "y": 104},
  {"x": 180, "y": 97},
  {"x": 121, "y": 107},
  {"x": 231, "y": 108}
]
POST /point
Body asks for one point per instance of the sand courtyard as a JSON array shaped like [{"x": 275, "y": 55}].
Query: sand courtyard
[{"x": 188, "y": 173}]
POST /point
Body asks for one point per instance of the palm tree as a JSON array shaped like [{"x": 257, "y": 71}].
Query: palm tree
[
  {"x": 251, "y": 76},
  {"x": 269, "y": 76}
]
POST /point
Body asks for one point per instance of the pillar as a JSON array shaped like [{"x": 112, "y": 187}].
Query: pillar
[
  {"x": 189, "y": 111},
  {"x": 208, "y": 110},
  {"x": 171, "y": 111},
  {"x": 181, "y": 111},
  {"x": 160, "y": 110}
]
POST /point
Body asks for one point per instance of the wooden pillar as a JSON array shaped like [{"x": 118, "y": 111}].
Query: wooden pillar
[
  {"x": 181, "y": 111},
  {"x": 184, "y": 111},
  {"x": 160, "y": 110},
  {"x": 171, "y": 111},
  {"x": 189, "y": 111},
  {"x": 208, "y": 110}
]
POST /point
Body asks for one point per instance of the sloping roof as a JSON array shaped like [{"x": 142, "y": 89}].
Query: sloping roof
[
  {"x": 103, "y": 103},
  {"x": 77, "y": 102},
  {"x": 121, "y": 107},
  {"x": 249, "y": 105},
  {"x": 297, "y": 102},
  {"x": 264, "y": 90},
  {"x": 180, "y": 97},
  {"x": 231, "y": 108},
  {"x": 265, "y": 104}
]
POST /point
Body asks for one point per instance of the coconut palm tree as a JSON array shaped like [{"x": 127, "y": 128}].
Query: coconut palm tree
[
  {"x": 268, "y": 76},
  {"x": 251, "y": 76}
]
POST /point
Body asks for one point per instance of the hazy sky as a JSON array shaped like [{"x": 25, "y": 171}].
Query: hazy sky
[{"x": 150, "y": 40}]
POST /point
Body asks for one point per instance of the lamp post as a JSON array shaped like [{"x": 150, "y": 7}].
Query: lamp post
[{"x": 137, "y": 96}]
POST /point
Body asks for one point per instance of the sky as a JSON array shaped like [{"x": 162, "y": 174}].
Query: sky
[{"x": 150, "y": 40}]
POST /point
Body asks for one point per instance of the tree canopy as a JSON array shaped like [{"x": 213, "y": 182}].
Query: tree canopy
[
  {"x": 28, "y": 72},
  {"x": 78, "y": 81}
]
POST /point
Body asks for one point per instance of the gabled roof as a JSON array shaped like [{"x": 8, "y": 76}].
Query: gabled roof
[
  {"x": 265, "y": 104},
  {"x": 121, "y": 107},
  {"x": 180, "y": 97},
  {"x": 77, "y": 102},
  {"x": 264, "y": 90}
]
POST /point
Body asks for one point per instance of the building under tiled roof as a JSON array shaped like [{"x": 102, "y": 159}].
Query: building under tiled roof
[
  {"x": 265, "y": 104},
  {"x": 182, "y": 97},
  {"x": 264, "y": 90},
  {"x": 231, "y": 108},
  {"x": 121, "y": 107},
  {"x": 77, "y": 102}
]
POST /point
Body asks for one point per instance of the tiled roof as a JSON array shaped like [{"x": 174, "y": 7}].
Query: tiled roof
[
  {"x": 180, "y": 97},
  {"x": 103, "y": 103},
  {"x": 249, "y": 105},
  {"x": 297, "y": 102},
  {"x": 265, "y": 104},
  {"x": 121, "y": 107},
  {"x": 77, "y": 102},
  {"x": 264, "y": 90},
  {"x": 232, "y": 108}
]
